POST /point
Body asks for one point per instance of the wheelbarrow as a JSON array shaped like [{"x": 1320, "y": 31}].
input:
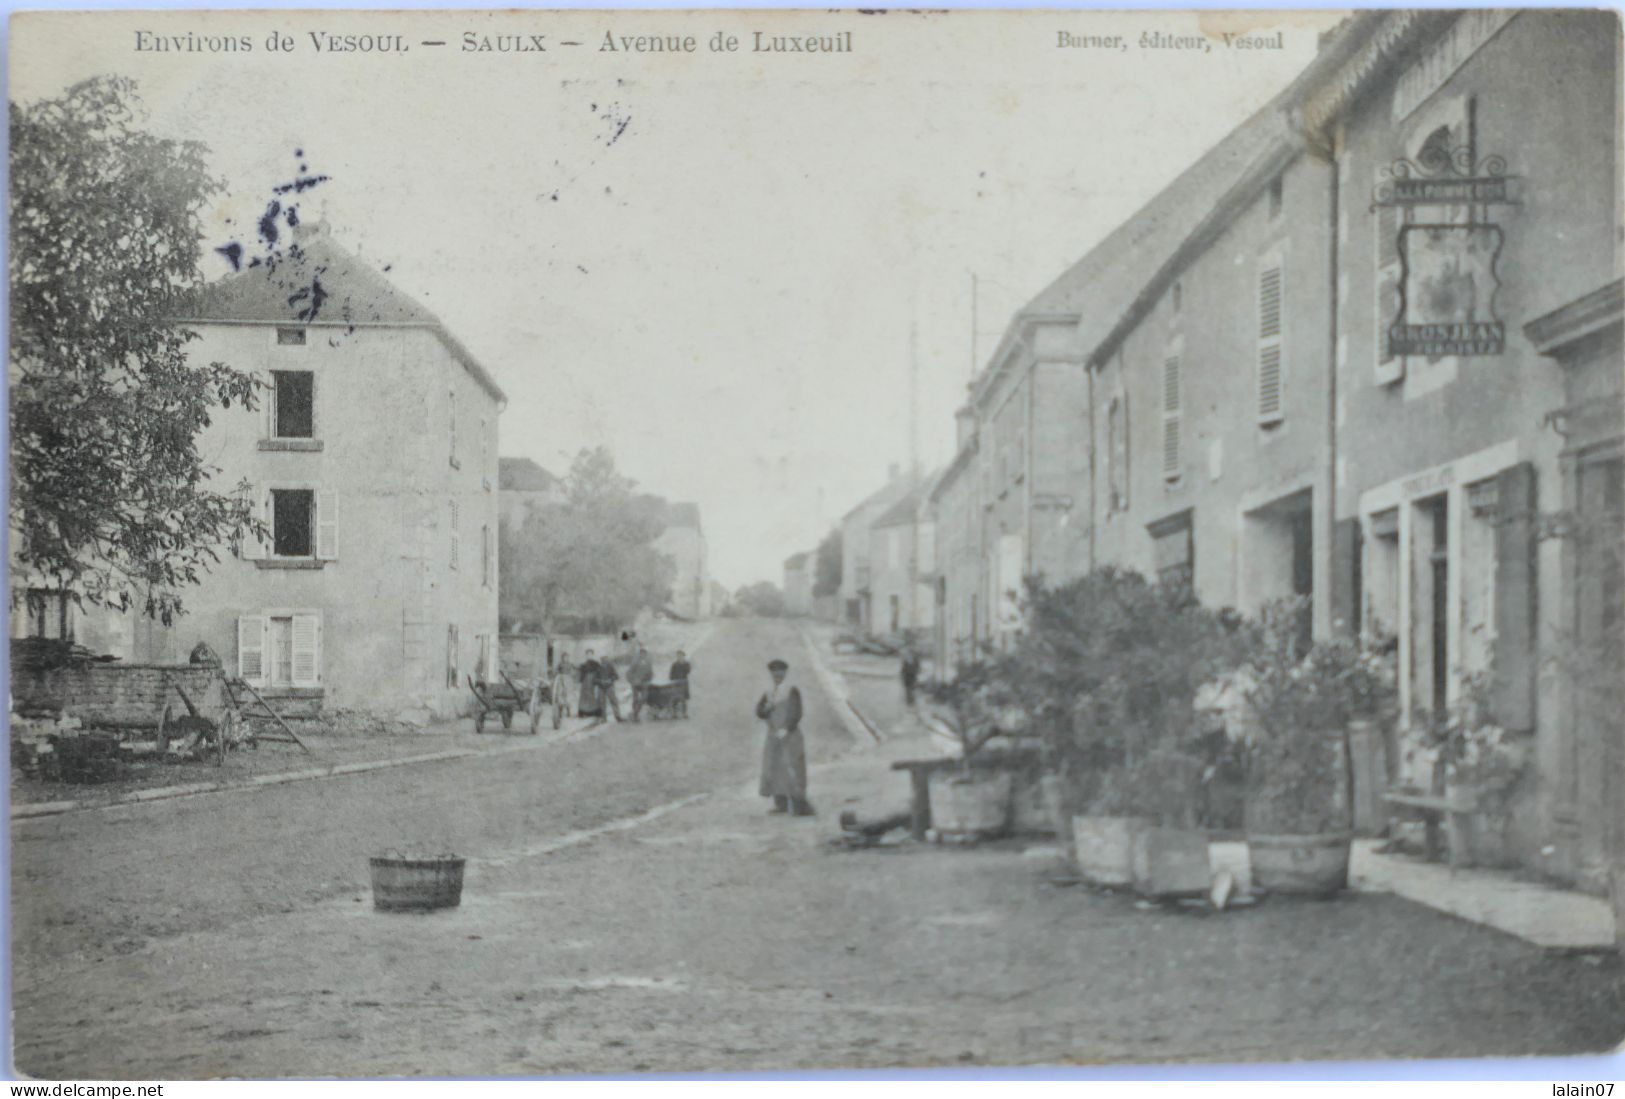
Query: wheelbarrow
[
  {"x": 507, "y": 698},
  {"x": 666, "y": 700}
]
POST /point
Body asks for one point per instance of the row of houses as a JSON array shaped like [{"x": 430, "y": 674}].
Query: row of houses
[
  {"x": 1367, "y": 350},
  {"x": 372, "y": 463}
]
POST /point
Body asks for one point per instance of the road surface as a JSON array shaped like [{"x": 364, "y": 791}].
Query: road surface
[{"x": 629, "y": 907}]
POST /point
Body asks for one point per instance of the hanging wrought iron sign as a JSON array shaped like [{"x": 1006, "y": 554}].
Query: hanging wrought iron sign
[{"x": 1448, "y": 250}]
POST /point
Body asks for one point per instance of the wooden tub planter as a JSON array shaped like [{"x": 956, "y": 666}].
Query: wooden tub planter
[
  {"x": 965, "y": 798},
  {"x": 1171, "y": 862},
  {"x": 1314, "y": 865},
  {"x": 971, "y": 804},
  {"x": 1135, "y": 853},
  {"x": 1104, "y": 847}
]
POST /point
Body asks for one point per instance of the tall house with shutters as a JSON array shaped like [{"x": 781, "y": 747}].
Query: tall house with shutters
[
  {"x": 1210, "y": 381},
  {"x": 372, "y": 463},
  {"x": 1479, "y": 494}
]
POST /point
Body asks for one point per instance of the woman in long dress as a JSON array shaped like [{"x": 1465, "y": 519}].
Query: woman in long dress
[{"x": 784, "y": 754}]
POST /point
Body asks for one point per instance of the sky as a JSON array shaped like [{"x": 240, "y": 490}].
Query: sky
[{"x": 721, "y": 265}]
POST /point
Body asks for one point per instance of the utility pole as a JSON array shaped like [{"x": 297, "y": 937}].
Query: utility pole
[{"x": 913, "y": 400}]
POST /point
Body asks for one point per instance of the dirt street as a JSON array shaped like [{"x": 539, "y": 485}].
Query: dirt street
[{"x": 629, "y": 906}]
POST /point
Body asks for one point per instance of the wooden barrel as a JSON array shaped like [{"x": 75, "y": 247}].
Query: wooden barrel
[
  {"x": 1312, "y": 865},
  {"x": 402, "y": 884}
]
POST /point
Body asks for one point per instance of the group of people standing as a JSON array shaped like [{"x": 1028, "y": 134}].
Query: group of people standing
[{"x": 590, "y": 686}]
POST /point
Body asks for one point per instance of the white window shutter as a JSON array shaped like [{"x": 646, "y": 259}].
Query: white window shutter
[
  {"x": 327, "y": 525},
  {"x": 261, "y": 547},
  {"x": 1270, "y": 357},
  {"x": 307, "y": 650},
  {"x": 270, "y": 404},
  {"x": 251, "y": 646},
  {"x": 1172, "y": 459},
  {"x": 454, "y": 554}
]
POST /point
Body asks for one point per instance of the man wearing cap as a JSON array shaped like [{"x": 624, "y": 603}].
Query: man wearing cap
[{"x": 784, "y": 755}]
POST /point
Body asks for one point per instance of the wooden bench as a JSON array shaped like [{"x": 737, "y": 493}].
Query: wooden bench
[{"x": 1434, "y": 810}]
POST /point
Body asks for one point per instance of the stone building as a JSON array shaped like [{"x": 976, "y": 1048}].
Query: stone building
[
  {"x": 956, "y": 588},
  {"x": 1238, "y": 403},
  {"x": 857, "y": 606},
  {"x": 683, "y": 541},
  {"x": 900, "y": 555},
  {"x": 1477, "y": 471},
  {"x": 372, "y": 462}
]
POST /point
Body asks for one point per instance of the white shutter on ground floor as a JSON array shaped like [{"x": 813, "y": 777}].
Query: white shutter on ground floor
[
  {"x": 307, "y": 650},
  {"x": 327, "y": 525},
  {"x": 251, "y": 647}
]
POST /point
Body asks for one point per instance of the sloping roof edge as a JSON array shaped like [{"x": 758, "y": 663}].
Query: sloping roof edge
[{"x": 458, "y": 350}]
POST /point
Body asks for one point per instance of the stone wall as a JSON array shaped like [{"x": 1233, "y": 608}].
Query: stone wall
[{"x": 122, "y": 695}]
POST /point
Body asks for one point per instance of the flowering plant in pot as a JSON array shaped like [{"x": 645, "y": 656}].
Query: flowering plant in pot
[
  {"x": 1303, "y": 696},
  {"x": 1479, "y": 765}
]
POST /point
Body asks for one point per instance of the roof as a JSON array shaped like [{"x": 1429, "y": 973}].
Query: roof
[
  {"x": 904, "y": 512},
  {"x": 523, "y": 475},
  {"x": 883, "y": 496},
  {"x": 348, "y": 293},
  {"x": 1101, "y": 288},
  {"x": 683, "y": 515},
  {"x": 952, "y": 471}
]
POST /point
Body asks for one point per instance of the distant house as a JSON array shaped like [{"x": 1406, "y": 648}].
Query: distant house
[
  {"x": 524, "y": 487},
  {"x": 683, "y": 541},
  {"x": 857, "y": 606},
  {"x": 372, "y": 463},
  {"x": 798, "y": 583},
  {"x": 900, "y": 554}
]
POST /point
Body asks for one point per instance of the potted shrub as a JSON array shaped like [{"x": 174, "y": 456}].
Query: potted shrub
[
  {"x": 974, "y": 797},
  {"x": 1106, "y": 670},
  {"x": 1303, "y": 695}
]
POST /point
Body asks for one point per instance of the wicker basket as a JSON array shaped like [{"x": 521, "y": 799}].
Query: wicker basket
[{"x": 401, "y": 884}]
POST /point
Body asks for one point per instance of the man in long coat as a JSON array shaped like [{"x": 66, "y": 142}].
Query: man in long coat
[
  {"x": 784, "y": 754},
  {"x": 638, "y": 677}
]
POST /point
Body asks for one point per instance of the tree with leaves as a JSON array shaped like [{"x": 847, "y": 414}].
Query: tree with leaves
[
  {"x": 590, "y": 558},
  {"x": 763, "y": 599},
  {"x": 827, "y": 562},
  {"x": 111, "y": 501}
]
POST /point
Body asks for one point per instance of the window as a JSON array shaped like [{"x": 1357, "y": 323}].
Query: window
[
  {"x": 1270, "y": 372},
  {"x": 485, "y": 555},
  {"x": 299, "y": 522},
  {"x": 292, "y": 404},
  {"x": 454, "y": 538},
  {"x": 290, "y": 337},
  {"x": 1172, "y": 459},
  {"x": 1277, "y": 187},
  {"x": 1173, "y": 549},
  {"x": 451, "y": 656},
  {"x": 293, "y": 513},
  {"x": 280, "y": 648},
  {"x": 1178, "y": 297},
  {"x": 1381, "y": 576},
  {"x": 482, "y": 666},
  {"x": 50, "y": 614},
  {"x": 485, "y": 477}
]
